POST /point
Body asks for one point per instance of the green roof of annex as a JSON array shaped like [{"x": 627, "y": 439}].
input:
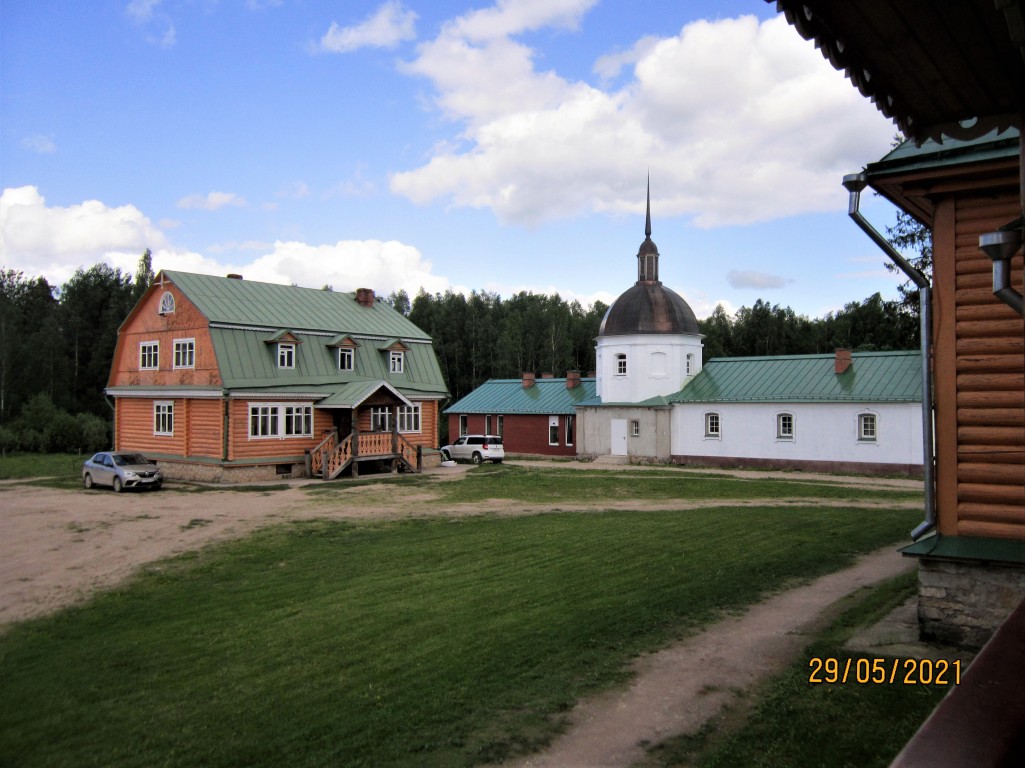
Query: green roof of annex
[
  {"x": 873, "y": 377},
  {"x": 509, "y": 396}
]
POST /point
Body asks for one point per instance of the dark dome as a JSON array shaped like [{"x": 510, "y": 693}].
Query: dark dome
[{"x": 649, "y": 307}]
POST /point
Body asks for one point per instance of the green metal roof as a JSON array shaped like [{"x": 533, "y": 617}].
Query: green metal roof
[
  {"x": 505, "y": 396},
  {"x": 353, "y": 394},
  {"x": 268, "y": 305},
  {"x": 872, "y": 377},
  {"x": 909, "y": 157},
  {"x": 246, "y": 361}
]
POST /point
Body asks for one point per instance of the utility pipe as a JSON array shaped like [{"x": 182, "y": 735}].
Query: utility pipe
[{"x": 855, "y": 183}]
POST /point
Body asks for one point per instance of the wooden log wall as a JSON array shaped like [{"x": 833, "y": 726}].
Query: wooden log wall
[{"x": 989, "y": 389}]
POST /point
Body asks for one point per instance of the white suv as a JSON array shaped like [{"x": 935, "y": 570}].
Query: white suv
[{"x": 476, "y": 448}]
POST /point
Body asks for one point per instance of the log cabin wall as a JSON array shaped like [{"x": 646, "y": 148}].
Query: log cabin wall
[{"x": 979, "y": 359}]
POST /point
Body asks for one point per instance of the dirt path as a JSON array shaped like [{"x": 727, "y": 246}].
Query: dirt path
[
  {"x": 58, "y": 548},
  {"x": 679, "y": 689}
]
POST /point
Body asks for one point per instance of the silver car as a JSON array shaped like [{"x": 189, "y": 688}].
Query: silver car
[
  {"x": 121, "y": 470},
  {"x": 476, "y": 448}
]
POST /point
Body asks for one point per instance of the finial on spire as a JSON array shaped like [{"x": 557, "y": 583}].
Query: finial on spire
[{"x": 647, "y": 218}]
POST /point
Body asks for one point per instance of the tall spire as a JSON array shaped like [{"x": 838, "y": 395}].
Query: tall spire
[
  {"x": 647, "y": 255},
  {"x": 647, "y": 218}
]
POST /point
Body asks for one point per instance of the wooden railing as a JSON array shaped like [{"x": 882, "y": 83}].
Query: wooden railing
[
  {"x": 331, "y": 456},
  {"x": 328, "y": 445}
]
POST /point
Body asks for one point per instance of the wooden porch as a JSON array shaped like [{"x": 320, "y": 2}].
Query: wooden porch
[{"x": 332, "y": 455}]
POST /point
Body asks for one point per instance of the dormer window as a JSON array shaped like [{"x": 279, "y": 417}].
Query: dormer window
[
  {"x": 396, "y": 361},
  {"x": 167, "y": 304},
  {"x": 346, "y": 358},
  {"x": 286, "y": 355}
]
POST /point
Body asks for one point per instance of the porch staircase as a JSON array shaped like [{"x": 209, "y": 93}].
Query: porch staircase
[{"x": 332, "y": 456}]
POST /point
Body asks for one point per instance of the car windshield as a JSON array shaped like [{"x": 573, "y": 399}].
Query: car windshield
[
  {"x": 125, "y": 459},
  {"x": 494, "y": 440}
]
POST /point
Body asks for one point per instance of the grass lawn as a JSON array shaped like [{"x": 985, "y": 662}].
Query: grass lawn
[
  {"x": 427, "y": 642},
  {"x": 16, "y": 466}
]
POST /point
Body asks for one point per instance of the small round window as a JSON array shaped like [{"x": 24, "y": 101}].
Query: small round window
[{"x": 166, "y": 304}]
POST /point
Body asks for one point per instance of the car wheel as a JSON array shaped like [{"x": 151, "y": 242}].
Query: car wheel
[
  {"x": 445, "y": 456},
  {"x": 496, "y": 461},
  {"x": 157, "y": 486},
  {"x": 87, "y": 481},
  {"x": 118, "y": 485},
  {"x": 477, "y": 458}
]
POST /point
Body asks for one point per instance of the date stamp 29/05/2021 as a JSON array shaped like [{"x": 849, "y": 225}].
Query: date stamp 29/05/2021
[{"x": 883, "y": 671}]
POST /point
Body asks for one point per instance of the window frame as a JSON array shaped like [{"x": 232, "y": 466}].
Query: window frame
[
  {"x": 154, "y": 350},
  {"x": 570, "y": 429},
  {"x": 463, "y": 428},
  {"x": 635, "y": 427},
  {"x": 396, "y": 361},
  {"x": 184, "y": 348},
  {"x": 286, "y": 355},
  {"x": 167, "y": 305},
  {"x": 870, "y": 435},
  {"x": 350, "y": 354},
  {"x": 380, "y": 414},
  {"x": 279, "y": 420},
  {"x": 786, "y": 426},
  {"x": 553, "y": 430},
  {"x": 501, "y": 426},
  {"x": 621, "y": 366},
  {"x": 163, "y": 418},
  {"x": 409, "y": 418},
  {"x": 713, "y": 425}
]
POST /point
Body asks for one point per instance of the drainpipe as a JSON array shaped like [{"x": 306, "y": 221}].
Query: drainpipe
[
  {"x": 1000, "y": 246},
  {"x": 854, "y": 183}
]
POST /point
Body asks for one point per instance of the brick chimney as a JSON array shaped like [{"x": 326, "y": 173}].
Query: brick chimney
[
  {"x": 234, "y": 276},
  {"x": 365, "y": 297},
  {"x": 572, "y": 379},
  {"x": 592, "y": 374},
  {"x": 528, "y": 380},
  {"x": 843, "y": 361}
]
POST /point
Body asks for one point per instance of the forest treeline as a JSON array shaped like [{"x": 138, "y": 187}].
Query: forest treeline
[{"x": 57, "y": 343}]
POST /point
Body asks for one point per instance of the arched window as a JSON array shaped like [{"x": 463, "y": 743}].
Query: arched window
[
  {"x": 167, "y": 303},
  {"x": 712, "y": 424}
]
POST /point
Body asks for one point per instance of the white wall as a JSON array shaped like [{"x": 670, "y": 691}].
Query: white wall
[
  {"x": 822, "y": 432},
  {"x": 656, "y": 365}
]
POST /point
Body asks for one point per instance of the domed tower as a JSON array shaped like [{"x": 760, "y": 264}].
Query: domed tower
[{"x": 649, "y": 342}]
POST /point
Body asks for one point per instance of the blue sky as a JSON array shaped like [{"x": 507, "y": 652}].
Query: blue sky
[{"x": 438, "y": 144}]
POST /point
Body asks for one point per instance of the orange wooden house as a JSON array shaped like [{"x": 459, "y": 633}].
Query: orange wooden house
[{"x": 228, "y": 379}]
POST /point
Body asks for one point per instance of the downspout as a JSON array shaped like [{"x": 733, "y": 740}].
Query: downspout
[{"x": 854, "y": 183}]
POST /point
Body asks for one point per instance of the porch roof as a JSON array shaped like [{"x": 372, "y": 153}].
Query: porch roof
[{"x": 356, "y": 393}]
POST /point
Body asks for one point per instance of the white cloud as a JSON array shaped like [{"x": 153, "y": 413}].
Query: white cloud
[
  {"x": 54, "y": 241},
  {"x": 751, "y": 279},
  {"x": 41, "y": 143},
  {"x": 141, "y": 11},
  {"x": 212, "y": 201},
  {"x": 387, "y": 27},
  {"x": 738, "y": 121},
  {"x": 297, "y": 190}
]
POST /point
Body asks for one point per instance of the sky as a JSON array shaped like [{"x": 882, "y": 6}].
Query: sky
[{"x": 438, "y": 145}]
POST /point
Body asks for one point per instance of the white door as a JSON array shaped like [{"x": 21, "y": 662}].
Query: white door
[{"x": 618, "y": 437}]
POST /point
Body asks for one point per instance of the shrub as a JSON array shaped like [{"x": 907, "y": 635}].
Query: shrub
[
  {"x": 94, "y": 431},
  {"x": 62, "y": 434}
]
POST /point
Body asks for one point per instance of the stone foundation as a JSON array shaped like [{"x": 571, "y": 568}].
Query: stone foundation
[
  {"x": 217, "y": 473},
  {"x": 962, "y": 603}
]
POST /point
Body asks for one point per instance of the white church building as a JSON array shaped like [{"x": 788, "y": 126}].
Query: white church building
[{"x": 853, "y": 412}]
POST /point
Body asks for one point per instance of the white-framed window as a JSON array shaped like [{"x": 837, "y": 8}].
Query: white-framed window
[
  {"x": 286, "y": 355},
  {"x": 396, "y": 361},
  {"x": 409, "y": 418},
  {"x": 571, "y": 425},
  {"x": 621, "y": 364},
  {"x": 487, "y": 424},
  {"x": 184, "y": 353},
  {"x": 166, "y": 304},
  {"x": 784, "y": 426},
  {"x": 149, "y": 355},
  {"x": 462, "y": 424},
  {"x": 712, "y": 424},
  {"x": 346, "y": 358},
  {"x": 553, "y": 430},
  {"x": 690, "y": 363},
  {"x": 380, "y": 418},
  {"x": 277, "y": 420},
  {"x": 635, "y": 428},
  {"x": 501, "y": 425},
  {"x": 868, "y": 428},
  {"x": 163, "y": 417},
  {"x": 298, "y": 420}
]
